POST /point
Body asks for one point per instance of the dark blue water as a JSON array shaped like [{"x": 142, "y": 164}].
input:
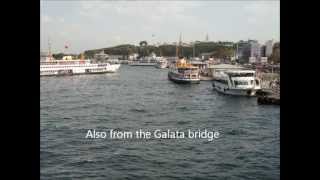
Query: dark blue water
[{"x": 142, "y": 98}]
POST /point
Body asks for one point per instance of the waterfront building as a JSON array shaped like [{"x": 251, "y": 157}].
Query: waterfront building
[
  {"x": 133, "y": 56},
  {"x": 206, "y": 56},
  {"x": 101, "y": 56},
  {"x": 269, "y": 48},
  {"x": 264, "y": 60},
  {"x": 252, "y": 60},
  {"x": 115, "y": 56},
  {"x": 247, "y": 49},
  {"x": 255, "y": 49},
  {"x": 243, "y": 50},
  {"x": 152, "y": 55},
  {"x": 263, "y": 50}
]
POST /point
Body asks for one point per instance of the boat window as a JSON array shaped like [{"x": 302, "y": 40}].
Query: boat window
[
  {"x": 241, "y": 74},
  {"x": 240, "y": 83},
  {"x": 222, "y": 81},
  {"x": 257, "y": 82},
  {"x": 181, "y": 70}
]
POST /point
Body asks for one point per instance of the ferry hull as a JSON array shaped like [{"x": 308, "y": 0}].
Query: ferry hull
[
  {"x": 69, "y": 74},
  {"x": 182, "y": 81},
  {"x": 142, "y": 64},
  {"x": 109, "y": 69},
  {"x": 161, "y": 66},
  {"x": 236, "y": 92}
]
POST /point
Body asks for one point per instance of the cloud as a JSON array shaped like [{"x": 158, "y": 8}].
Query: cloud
[
  {"x": 259, "y": 11},
  {"x": 50, "y": 19},
  {"x": 93, "y": 9},
  {"x": 96, "y": 24},
  {"x": 61, "y": 19},
  {"x": 46, "y": 19},
  {"x": 145, "y": 11}
]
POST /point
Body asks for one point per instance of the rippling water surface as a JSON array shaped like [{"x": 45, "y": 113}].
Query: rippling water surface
[{"x": 142, "y": 98}]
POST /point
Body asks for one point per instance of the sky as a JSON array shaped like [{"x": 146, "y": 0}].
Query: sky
[{"x": 85, "y": 24}]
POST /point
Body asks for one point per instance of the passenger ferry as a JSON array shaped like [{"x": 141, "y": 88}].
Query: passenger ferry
[
  {"x": 67, "y": 66},
  {"x": 237, "y": 82},
  {"x": 183, "y": 72},
  {"x": 162, "y": 63},
  {"x": 145, "y": 61}
]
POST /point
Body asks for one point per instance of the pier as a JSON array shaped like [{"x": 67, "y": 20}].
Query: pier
[
  {"x": 206, "y": 78},
  {"x": 270, "y": 93},
  {"x": 266, "y": 97}
]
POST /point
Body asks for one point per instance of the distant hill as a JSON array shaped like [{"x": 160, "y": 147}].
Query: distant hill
[
  {"x": 218, "y": 49},
  {"x": 60, "y": 55}
]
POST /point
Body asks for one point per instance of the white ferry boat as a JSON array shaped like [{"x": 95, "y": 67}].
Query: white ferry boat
[
  {"x": 237, "y": 82},
  {"x": 162, "y": 63},
  {"x": 183, "y": 72},
  {"x": 147, "y": 61},
  {"x": 67, "y": 66}
]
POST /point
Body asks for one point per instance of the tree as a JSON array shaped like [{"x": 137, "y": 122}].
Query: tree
[
  {"x": 275, "y": 56},
  {"x": 143, "y": 48},
  {"x": 58, "y": 56},
  {"x": 143, "y": 43},
  {"x": 220, "y": 50}
]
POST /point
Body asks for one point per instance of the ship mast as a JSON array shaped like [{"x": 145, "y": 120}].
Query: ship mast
[
  {"x": 177, "y": 51},
  {"x": 81, "y": 56},
  {"x": 49, "y": 53},
  {"x": 193, "y": 49},
  {"x": 180, "y": 45}
]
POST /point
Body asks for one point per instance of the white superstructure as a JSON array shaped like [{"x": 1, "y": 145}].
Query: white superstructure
[
  {"x": 237, "y": 82},
  {"x": 70, "y": 67},
  {"x": 162, "y": 63},
  {"x": 144, "y": 61}
]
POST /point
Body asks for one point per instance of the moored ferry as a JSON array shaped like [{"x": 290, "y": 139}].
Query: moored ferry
[
  {"x": 67, "y": 66},
  {"x": 144, "y": 61},
  {"x": 183, "y": 72},
  {"x": 162, "y": 63},
  {"x": 237, "y": 82}
]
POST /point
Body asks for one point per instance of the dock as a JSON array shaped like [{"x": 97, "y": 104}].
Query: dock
[
  {"x": 206, "y": 78},
  {"x": 268, "y": 97}
]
